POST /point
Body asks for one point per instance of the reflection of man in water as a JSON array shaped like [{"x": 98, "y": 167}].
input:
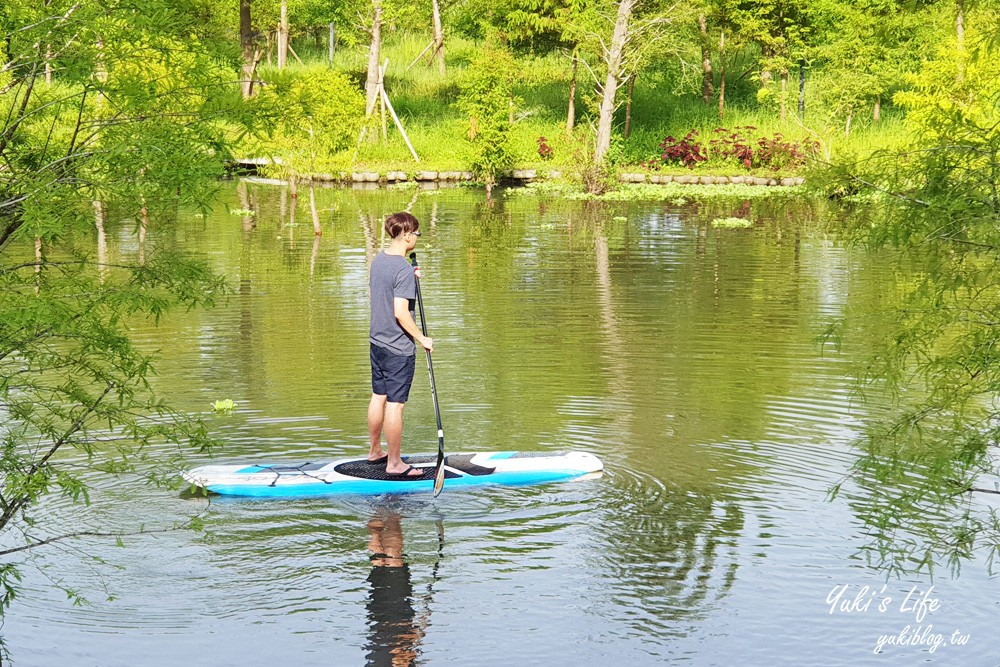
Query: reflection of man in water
[{"x": 395, "y": 632}]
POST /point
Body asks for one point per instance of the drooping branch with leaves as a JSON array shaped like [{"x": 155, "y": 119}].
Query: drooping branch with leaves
[{"x": 110, "y": 110}]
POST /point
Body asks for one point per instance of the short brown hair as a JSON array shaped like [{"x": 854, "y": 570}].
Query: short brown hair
[{"x": 401, "y": 223}]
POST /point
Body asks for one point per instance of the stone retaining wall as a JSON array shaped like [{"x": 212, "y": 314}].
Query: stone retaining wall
[{"x": 524, "y": 175}]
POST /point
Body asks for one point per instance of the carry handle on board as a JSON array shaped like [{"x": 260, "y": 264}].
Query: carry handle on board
[{"x": 439, "y": 468}]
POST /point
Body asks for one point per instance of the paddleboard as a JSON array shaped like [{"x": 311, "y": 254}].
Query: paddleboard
[{"x": 358, "y": 476}]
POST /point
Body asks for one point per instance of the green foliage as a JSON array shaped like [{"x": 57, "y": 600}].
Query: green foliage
[
  {"x": 312, "y": 115},
  {"x": 135, "y": 123},
  {"x": 939, "y": 206},
  {"x": 487, "y": 96},
  {"x": 226, "y": 406}
]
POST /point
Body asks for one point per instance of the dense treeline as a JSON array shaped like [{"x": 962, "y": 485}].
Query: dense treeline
[{"x": 815, "y": 70}]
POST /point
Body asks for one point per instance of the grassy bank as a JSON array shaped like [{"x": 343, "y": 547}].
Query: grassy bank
[{"x": 664, "y": 104}]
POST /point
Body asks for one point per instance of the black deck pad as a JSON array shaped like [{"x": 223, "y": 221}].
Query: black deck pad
[
  {"x": 464, "y": 463},
  {"x": 365, "y": 470}
]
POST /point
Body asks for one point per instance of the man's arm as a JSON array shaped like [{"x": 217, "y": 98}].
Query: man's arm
[{"x": 401, "y": 309}]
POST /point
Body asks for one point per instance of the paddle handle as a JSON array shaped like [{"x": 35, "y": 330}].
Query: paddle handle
[{"x": 439, "y": 468}]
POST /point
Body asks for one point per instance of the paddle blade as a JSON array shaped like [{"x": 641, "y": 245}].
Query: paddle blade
[{"x": 439, "y": 477}]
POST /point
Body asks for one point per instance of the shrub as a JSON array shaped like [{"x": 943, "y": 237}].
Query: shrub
[
  {"x": 544, "y": 150},
  {"x": 486, "y": 95},
  {"x": 687, "y": 151},
  {"x": 775, "y": 153},
  {"x": 313, "y": 113}
]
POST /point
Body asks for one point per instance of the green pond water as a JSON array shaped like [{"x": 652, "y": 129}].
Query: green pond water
[{"x": 683, "y": 355}]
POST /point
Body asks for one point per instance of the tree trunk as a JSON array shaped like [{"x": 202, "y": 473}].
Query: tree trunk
[
  {"x": 614, "y": 60},
  {"x": 847, "y": 127},
  {"x": 333, "y": 41},
  {"x": 877, "y": 110},
  {"x": 628, "y": 106},
  {"x": 571, "y": 109},
  {"x": 438, "y": 37},
  {"x": 960, "y": 36},
  {"x": 283, "y": 36},
  {"x": 784, "y": 93},
  {"x": 722, "y": 75},
  {"x": 802, "y": 89},
  {"x": 251, "y": 54},
  {"x": 373, "y": 82},
  {"x": 48, "y": 65},
  {"x": 707, "y": 77}
]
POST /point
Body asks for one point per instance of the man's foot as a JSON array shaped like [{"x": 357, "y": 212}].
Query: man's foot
[
  {"x": 379, "y": 461},
  {"x": 410, "y": 471}
]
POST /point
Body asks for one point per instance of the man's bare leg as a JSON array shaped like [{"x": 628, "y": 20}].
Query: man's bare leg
[
  {"x": 376, "y": 417},
  {"x": 393, "y": 428}
]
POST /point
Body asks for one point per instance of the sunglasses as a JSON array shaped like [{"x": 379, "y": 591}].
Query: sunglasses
[{"x": 417, "y": 234}]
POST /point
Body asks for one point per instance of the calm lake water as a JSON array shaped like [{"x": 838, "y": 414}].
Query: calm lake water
[{"x": 683, "y": 355}]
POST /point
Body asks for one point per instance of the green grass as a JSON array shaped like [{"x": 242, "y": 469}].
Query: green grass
[{"x": 425, "y": 103}]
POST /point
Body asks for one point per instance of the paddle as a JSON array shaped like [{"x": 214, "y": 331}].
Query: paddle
[{"x": 439, "y": 468}]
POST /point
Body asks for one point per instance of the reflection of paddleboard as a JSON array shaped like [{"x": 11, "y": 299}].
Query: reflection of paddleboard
[{"x": 358, "y": 476}]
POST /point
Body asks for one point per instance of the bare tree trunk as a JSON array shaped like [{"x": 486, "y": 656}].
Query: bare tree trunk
[
  {"x": 251, "y": 54},
  {"x": 847, "y": 127},
  {"x": 614, "y": 60},
  {"x": 438, "y": 37},
  {"x": 707, "y": 77},
  {"x": 960, "y": 36},
  {"x": 722, "y": 75},
  {"x": 877, "y": 110},
  {"x": 802, "y": 89},
  {"x": 283, "y": 36},
  {"x": 628, "y": 106},
  {"x": 333, "y": 41},
  {"x": 784, "y": 94},
  {"x": 571, "y": 110},
  {"x": 374, "y": 51}
]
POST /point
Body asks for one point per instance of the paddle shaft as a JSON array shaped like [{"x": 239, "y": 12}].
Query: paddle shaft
[{"x": 439, "y": 468}]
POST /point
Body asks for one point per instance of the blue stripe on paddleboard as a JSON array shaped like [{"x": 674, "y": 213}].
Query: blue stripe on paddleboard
[
  {"x": 502, "y": 455},
  {"x": 374, "y": 487},
  {"x": 252, "y": 469}
]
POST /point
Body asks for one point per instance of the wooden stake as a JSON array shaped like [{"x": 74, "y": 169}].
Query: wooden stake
[
  {"x": 420, "y": 56},
  {"x": 395, "y": 119}
]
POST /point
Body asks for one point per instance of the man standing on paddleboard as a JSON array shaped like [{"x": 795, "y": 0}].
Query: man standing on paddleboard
[{"x": 392, "y": 291}]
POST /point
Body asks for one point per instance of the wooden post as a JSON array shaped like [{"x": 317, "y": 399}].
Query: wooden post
[
  {"x": 317, "y": 229},
  {"x": 333, "y": 41}
]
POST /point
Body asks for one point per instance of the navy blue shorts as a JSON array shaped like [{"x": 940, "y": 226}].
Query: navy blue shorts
[{"x": 392, "y": 374}]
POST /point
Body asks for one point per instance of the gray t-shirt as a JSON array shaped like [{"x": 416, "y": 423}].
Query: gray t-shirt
[{"x": 391, "y": 276}]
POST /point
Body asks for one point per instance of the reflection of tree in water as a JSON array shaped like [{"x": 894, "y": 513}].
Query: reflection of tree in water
[
  {"x": 678, "y": 552},
  {"x": 669, "y": 554}
]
